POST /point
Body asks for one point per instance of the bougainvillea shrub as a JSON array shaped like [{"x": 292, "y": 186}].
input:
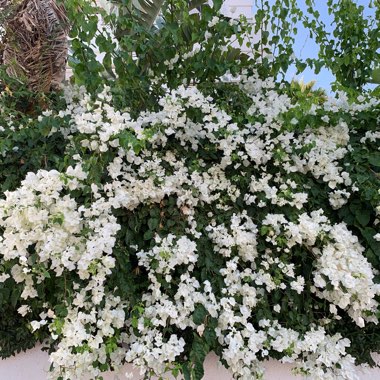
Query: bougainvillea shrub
[
  {"x": 239, "y": 218},
  {"x": 153, "y": 212}
]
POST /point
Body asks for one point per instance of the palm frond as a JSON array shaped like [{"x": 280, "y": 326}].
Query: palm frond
[
  {"x": 302, "y": 86},
  {"x": 148, "y": 10}
]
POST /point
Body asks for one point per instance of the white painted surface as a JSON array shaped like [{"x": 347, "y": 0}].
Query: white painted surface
[
  {"x": 34, "y": 365},
  {"x": 235, "y": 8}
]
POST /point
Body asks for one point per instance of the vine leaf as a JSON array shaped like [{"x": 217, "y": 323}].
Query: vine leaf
[{"x": 375, "y": 77}]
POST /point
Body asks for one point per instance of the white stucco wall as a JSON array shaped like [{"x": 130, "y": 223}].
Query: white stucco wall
[{"x": 34, "y": 365}]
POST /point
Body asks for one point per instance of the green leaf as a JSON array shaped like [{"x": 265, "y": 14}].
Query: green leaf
[
  {"x": 210, "y": 336},
  {"x": 361, "y": 212},
  {"x": 374, "y": 159},
  {"x": 153, "y": 223},
  {"x": 199, "y": 314},
  {"x": 375, "y": 76},
  {"x": 61, "y": 310},
  {"x": 148, "y": 235},
  {"x": 368, "y": 234},
  {"x": 233, "y": 54},
  {"x": 363, "y": 217},
  {"x": 186, "y": 371},
  {"x": 198, "y": 353},
  {"x": 15, "y": 296}
]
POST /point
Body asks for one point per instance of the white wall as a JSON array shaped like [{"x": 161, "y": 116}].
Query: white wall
[
  {"x": 34, "y": 365},
  {"x": 235, "y": 8}
]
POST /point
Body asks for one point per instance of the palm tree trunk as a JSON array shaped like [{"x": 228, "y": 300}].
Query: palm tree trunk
[{"x": 36, "y": 47}]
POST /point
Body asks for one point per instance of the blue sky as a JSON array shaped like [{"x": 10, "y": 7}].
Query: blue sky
[{"x": 305, "y": 47}]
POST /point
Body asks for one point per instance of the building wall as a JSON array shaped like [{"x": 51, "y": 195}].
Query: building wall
[
  {"x": 234, "y": 8},
  {"x": 34, "y": 365}
]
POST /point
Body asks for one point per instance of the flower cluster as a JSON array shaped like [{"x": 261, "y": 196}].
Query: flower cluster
[{"x": 46, "y": 231}]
